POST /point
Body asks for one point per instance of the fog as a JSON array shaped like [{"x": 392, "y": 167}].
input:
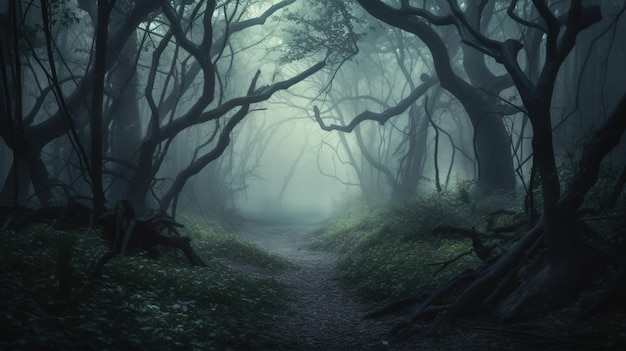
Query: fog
[
  {"x": 239, "y": 132},
  {"x": 243, "y": 174},
  {"x": 288, "y": 181}
]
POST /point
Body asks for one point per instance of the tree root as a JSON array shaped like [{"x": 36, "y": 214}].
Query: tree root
[
  {"x": 477, "y": 286},
  {"x": 449, "y": 262},
  {"x": 421, "y": 311},
  {"x": 473, "y": 296},
  {"x": 496, "y": 283},
  {"x": 125, "y": 232},
  {"x": 121, "y": 228}
]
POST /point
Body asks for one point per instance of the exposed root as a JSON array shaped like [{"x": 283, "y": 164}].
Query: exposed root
[
  {"x": 477, "y": 286},
  {"x": 121, "y": 228}
]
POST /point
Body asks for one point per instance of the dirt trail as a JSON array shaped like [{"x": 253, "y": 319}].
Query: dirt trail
[{"x": 323, "y": 315}]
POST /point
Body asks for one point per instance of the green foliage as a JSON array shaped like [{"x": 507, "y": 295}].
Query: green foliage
[
  {"x": 215, "y": 243},
  {"x": 417, "y": 219},
  {"x": 359, "y": 225},
  {"x": 137, "y": 303},
  {"x": 333, "y": 25},
  {"x": 351, "y": 226},
  {"x": 396, "y": 269},
  {"x": 390, "y": 253}
]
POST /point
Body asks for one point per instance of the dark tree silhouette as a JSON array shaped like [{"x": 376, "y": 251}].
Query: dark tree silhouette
[
  {"x": 199, "y": 42},
  {"x": 491, "y": 139},
  {"x": 99, "y": 137},
  {"x": 561, "y": 279}
]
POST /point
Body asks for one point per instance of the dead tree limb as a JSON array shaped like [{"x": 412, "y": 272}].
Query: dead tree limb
[
  {"x": 471, "y": 299},
  {"x": 383, "y": 116}
]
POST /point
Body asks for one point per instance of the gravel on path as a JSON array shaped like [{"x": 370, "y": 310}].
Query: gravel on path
[{"x": 322, "y": 315}]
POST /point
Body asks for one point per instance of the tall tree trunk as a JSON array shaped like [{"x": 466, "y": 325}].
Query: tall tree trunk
[
  {"x": 26, "y": 170},
  {"x": 411, "y": 165},
  {"x": 124, "y": 117},
  {"x": 493, "y": 145},
  {"x": 122, "y": 125},
  {"x": 561, "y": 278},
  {"x": 95, "y": 122}
]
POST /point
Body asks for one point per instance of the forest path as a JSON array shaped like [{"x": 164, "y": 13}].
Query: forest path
[{"x": 322, "y": 315}]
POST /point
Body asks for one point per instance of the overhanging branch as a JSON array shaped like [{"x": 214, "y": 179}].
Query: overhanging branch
[{"x": 381, "y": 117}]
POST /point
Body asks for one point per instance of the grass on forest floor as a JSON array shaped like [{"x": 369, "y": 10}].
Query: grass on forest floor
[
  {"x": 137, "y": 303},
  {"x": 389, "y": 253},
  {"x": 215, "y": 244}
]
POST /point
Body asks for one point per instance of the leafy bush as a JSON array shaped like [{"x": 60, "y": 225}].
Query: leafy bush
[
  {"x": 391, "y": 252},
  {"x": 137, "y": 303}
]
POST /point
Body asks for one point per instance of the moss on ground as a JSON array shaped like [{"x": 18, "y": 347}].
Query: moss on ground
[
  {"x": 349, "y": 229},
  {"x": 137, "y": 303},
  {"x": 395, "y": 270},
  {"x": 217, "y": 244}
]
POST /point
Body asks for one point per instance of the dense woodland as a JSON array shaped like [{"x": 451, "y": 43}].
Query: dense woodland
[{"x": 136, "y": 132}]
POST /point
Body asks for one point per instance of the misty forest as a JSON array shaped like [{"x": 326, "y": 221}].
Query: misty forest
[{"x": 312, "y": 175}]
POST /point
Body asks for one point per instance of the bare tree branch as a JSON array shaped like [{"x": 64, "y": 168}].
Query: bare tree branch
[{"x": 381, "y": 117}]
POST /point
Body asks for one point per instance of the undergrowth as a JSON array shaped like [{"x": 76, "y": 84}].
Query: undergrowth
[
  {"x": 49, "y": 299},
  {"x": 388, "y": 253},
  {"x": 215, "y": 244}
]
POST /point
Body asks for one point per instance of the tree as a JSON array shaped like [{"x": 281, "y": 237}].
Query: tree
[
  {"x": 39, "y": 49},
  {"x": 560, "y": 280},
  {"x": 387, "y": 159},
  {"x": 492, "y": 142},
  {"x": 122, "y": 116},
  {"x": 198, "y": 40}
]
